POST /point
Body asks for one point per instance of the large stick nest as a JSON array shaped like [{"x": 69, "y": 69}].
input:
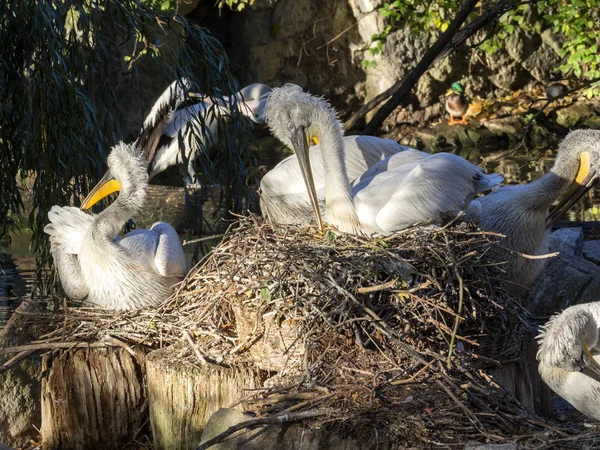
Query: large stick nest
[
  {"x": 391, "y": 331},
  {"x": 394, "y": 333}
]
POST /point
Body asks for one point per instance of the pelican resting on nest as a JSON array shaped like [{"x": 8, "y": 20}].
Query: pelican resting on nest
[
  {"x": 412, "y": 187},
  {"x": 283, "y": 195},
  {"x": 568, "y": 357},
  {"x": 97, "y": 265},
  {"x": 177, "y": 144},
  {"x": 404, "y": 189}
]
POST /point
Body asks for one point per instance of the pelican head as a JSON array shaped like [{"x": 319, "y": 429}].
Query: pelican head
[
  {"x": 301, "y": 120},
  {"x": 579, "y": 151},
  {"x": 567, "y": 338},
  {"x": 126, "y": 173}
]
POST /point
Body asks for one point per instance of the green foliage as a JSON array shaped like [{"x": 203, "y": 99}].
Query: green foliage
[
  {"x": 418, "y": 14},
  {"x": 235, "y": 5},
  {"x": 577, "y": 21},
  {"x": 60, "y": 64},
  {"x": 160, "y": 5}
]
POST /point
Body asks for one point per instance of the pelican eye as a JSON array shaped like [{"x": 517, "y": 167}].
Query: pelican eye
[{"x": 315, "y": 140}]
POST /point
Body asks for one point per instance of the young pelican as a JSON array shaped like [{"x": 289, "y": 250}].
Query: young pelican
[
  {"x": 97, "y": 265},
  {"x": 568, "y": 357},
  {"x": 397, "y": 192},
  {"x": 177, "y": 143},
  {"x": 520, "y": 212}
]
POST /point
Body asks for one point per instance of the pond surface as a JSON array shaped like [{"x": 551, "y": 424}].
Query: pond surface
[{"x": 17, "y": 270}]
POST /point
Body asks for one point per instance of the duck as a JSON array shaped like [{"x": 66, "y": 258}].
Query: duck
[{"x": 457, "y": 105}]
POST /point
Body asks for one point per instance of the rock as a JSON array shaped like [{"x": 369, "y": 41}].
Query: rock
[
  {"x": 20, "y": 387},
  {"x": 507, "y": 446},
  {"x": 506, "y": 126},
  {"x": 591, "y": 251},
  {"x": 290, "y": 437},
  {"x": 569, "y": 278},
  {"x": 574, "y": 114},
  {"x": 552, "y": 40}
]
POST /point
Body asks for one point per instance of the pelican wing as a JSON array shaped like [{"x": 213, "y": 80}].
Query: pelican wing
[
  {"x": 169, "y": 257},
  {"x": 395, "y": 194},
  {"x": 67, "y": 228},
  {"x": 158, "y": 248}
]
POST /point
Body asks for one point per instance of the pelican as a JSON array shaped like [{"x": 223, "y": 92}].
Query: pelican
[
  {"x": 520, "y": 212},
  {"x": 97, "y": 265},
  {"x": 283, "y": 195},
  {"x": 568, "y": 357},
  {"x": 403, "y": 189},
  {"x": 201, "y": 119}
]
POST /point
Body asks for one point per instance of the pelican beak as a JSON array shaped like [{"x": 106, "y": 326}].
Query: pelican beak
[
  {"x": 586, "y": 178},
  {"x": 592, "y": 368},
  {"x": 301, "y": 148},
  {"x": 106, "y": 186}
]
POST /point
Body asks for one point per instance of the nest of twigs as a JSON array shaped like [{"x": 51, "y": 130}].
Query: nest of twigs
[{"x": 394, "y": 333}]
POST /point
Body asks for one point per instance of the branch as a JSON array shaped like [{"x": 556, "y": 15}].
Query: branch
[
  {"x": 52, "y": 346},
  {"x": 253, "y": 423},
  {"x": 447, "y": 43},
  {"x": 413, "y": 76}
]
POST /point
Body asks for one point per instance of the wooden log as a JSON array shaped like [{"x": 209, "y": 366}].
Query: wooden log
[
  {"x": 183, "y": 396},
  {"x": 92, "y": 398},
  {"x": 522, "y": 380},
  {"x": 274, "y": 344}
]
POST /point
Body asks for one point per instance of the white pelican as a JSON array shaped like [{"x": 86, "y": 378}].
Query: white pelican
[
  {"x": 200, "y": 119},
  {"x": 568, "y": 357},
  {"x": 283, "y": 195},
  {"x": 97, "y": 265},
  {"x": 520, "y": 212},
  {"x": 404, "y": 189}
]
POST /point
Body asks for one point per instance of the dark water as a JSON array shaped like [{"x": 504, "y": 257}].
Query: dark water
[{"x": 17, "y": 276}]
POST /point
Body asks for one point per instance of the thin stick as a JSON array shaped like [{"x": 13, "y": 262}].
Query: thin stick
[
  {"x": 377, "y": 287},
  {"x": 207, "y": 238},
  {"x": 196, "y": 350}
]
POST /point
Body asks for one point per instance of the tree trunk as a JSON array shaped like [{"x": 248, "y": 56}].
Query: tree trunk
[
  {"x": 92, "y": 399},
  {"x": 522, "y": 380},
  {"x": 183, "y": 396}
]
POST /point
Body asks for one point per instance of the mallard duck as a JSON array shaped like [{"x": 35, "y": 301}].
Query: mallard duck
[{"x": 457, "y": 104}]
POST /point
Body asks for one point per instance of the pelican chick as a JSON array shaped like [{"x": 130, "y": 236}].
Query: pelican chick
[
  {"x": 395, "y": 193},
  {"x": 94, "y": 263},
  {"x": 568, "y": 357}
]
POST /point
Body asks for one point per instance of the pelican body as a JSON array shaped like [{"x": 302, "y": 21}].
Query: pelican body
[
  {"x": 283, "y": 195},
  {"x": 520, "y": 212},
  {"x": 399, "y": 191},
  {"x": 95, "y": 264},
  {"x": 568, "y": 357},
  {"x": 178, "y": 145}
]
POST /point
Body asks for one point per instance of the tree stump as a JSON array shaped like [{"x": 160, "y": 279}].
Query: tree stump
[
  {"x": 522, "y": 380},
  {"x": 183, "y": 396},
  {"x": 92, "y": 398}
]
